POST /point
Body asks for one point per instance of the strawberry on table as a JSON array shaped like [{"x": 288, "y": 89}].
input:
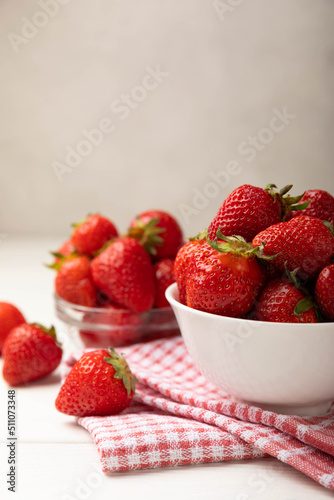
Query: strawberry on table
[
  {"x": 303, "y": 242},
  {"x": 324, "y": 292},
  {"x": 280, "y": 301},
  {"x": 226, "y": 277},
  {"x": 74, "y": 281},
  {"x": 30, "y": 352},
  {"x": 90, "y": 235},
  {"x": 124, "y": 273},
  {"x": 164, "y": 276},
  {"x": 158, "y": 232},
  {"x": 320, "y": 205},
  {"x": 100, "y": 383},
  {"x": 249, "y": 210},
  {"x": 10, "y": 316}
]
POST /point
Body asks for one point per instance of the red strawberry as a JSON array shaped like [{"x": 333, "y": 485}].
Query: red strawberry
[
  {"x": 74, "y": 282},
  {"x": 226, "y": 279},
  {"x": 10, "y": 317},
  {"x": 90, "y": 235},
  {"x": 124, "y": 272},
  {"x": 280, "y": 301},
  {"x": 324, "y": 292},
  {"x": 320, "y": 205},
  {"x": 158, "y": 232},
  {"x": 100, "y": 383},
  {"x": 183, "y": 261},
  {"x": 111, "y": 325},
  {"x": 65, "y": 250},
  {"x": 164, "y": 276},
  {"x": 30, "y": 352},
  {"x": 249, "y": 210},
  {"x": 303, "y": 242}
]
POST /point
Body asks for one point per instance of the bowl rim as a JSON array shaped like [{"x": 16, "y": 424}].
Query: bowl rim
[{"x": 172, "y": 289}]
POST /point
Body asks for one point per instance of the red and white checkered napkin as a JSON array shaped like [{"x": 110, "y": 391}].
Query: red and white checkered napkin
[{"x": 177, "y": 417}]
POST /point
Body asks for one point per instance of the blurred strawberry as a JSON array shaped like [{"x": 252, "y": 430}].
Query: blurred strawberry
[
  {"x": 164, "y": 276},
  {"x": 90, "y": 235},
  {"x": 124, "y": 273},
  {"x": 324, "y": 292},
  {"x": 10, "y": 317},
  {"x": 65, "y": 250},
  {"x": 320, "y": 205},
  {"x": 280, "y": 301},
  {"x": 74, "y": 281},
  {"x": 30, "y": 352},
  {"x": 158, "y": 232}
]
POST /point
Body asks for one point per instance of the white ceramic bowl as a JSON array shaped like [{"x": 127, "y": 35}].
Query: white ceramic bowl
[{"x": 284, "y": 367}]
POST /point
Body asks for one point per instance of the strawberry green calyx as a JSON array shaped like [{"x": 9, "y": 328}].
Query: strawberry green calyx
[
  {"x": 200, "y": 236},
  {"x": 77, "y": 224},
  {"x": 237, "y": 245},
  {"x": 148, "y": 235},
  {"x": 122, "y": 370},
  {"x": 302, "y": 306},
  {"x": 286, "y": 201},
  {"x": 306, "y": 303},
  {"x": 62, "y": 258}
]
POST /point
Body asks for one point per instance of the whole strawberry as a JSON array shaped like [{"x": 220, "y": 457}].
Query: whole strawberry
[
  {"x": 280, "y": 301},
  {"x": 158, "y": 232},
  {"x": 320, "y": 205},
  {"x": 10, "y": 317},
  {"x": 124, "y": 273},
  {"x": 324, "y": 292},
  {"x": 65, "y": 250},
  {"x": 164, "y": 276},
  {"x": 30, "y": 352},
  {"x": 90, "y": 235},
  {"x": 303, "y": 242},
  {"x": 249, "y": 210},
  {"x": 100, "y": 383},
  {"x": 74, "y": 281},
  {"x": 226, "y": 279}
]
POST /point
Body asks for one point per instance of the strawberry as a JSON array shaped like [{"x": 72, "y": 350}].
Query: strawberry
[
  {"x": 280, "y": 301},
  {"x": 111, "y": 325},
  {"x": 10, "y": 317},
  {"x": 303, "y": 242},
  {"x": 100, "y": 383},
  {"x": 30, "y": 352},
  {"x": 249, "y": 210},
  {"x": 320, "y": 205},
  {"x": 226, "y": 277},
  {"x": 90, "y": 235},
  {"x": 65, "y": 250},
  {"x": 158, "y": 232},
  {"x": 164, "y": 276},
  {"x": 124, "y": 273},
  {"x": 324, "y": 292},
  {"x": 74, "y": 282}
]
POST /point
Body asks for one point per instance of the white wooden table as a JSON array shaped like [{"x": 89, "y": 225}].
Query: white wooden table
[{"x": 56, "y": 459}]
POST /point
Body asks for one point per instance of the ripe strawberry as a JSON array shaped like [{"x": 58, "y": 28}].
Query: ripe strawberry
[
  {"x": 280, "y": 301},
  {"x": 303, "y": 242},
  {"x": 100, "y": 383},
  {"x": 183, "y": 262},
  {"x": 249, "y": 210},
  {"x": 111, "y": 325},
  {"x": 226, "y": 279},
  {"x": 74, "y": 282},
  {"x": 65, "y": 250},
  {"x": 320, "y": 205},
  {"x": 158, "y": 232},
  {"x": 90, "y": 235},
  {"x": 10, "y": 317},
  {"x": 324, "y": 292},
  {"x": 124, "y": 272},
  {"x": 164, "y": 276},
  {"x": 30, "y": 352}
]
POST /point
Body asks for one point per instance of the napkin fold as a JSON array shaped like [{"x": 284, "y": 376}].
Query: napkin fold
[{"x": 178, "y": 417}]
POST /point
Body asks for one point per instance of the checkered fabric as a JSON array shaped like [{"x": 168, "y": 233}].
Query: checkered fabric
[{"x": 177, "y": 417}]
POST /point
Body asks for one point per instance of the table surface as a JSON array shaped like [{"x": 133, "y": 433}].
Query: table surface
[{"x": 56, "y": 459}]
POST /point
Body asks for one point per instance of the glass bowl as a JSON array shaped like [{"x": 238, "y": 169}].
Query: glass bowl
[{"x": 101, "y": 327}]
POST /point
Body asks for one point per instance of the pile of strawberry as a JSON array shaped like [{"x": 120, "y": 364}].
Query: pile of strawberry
[{"x": 266, "y": 256}]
